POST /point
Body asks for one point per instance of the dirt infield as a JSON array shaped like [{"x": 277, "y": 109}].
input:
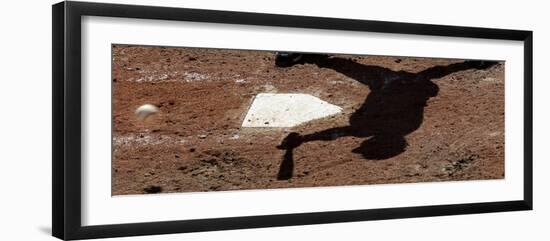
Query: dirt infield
[{"x": 403, "y": 120}]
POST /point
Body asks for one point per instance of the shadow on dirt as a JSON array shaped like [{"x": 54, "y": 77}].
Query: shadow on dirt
[{"x": 393, "y": 109}]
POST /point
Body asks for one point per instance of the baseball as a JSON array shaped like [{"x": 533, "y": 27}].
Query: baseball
[{"x": 146, "y": 110}]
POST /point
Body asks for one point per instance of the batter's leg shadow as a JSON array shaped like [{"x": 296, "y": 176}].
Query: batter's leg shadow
[{"x": 294, "y": 140}]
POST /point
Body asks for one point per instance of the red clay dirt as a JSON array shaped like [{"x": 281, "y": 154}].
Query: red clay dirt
[{"x": 448, "y": 128}]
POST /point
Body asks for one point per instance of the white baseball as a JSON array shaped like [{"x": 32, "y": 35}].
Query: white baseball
[{"x": 146, "y": 110}]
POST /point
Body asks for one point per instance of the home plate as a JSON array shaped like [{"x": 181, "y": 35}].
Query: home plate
[{"x": 287, "y": 110}]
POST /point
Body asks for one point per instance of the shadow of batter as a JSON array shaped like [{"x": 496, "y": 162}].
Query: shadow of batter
[{"x": 393, "y": 109}]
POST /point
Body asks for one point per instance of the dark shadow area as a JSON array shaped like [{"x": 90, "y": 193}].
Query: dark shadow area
[{"x": 393, "y": 109}]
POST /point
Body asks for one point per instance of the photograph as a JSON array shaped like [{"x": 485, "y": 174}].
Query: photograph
[
  {"x": 176, "y": 119},
  {"x": 188, "y": 119}
]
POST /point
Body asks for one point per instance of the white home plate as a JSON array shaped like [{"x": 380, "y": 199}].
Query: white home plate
[{"x": 287, "y": 110}]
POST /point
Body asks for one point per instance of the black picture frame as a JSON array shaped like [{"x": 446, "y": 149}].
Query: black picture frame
[{"x": 66, "y": 47}]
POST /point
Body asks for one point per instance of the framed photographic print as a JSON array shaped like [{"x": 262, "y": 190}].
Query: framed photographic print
[{"x": 169, "y": 120}]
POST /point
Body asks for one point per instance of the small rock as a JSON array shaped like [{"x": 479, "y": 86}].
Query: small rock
[{"x": 202, "y": 136}]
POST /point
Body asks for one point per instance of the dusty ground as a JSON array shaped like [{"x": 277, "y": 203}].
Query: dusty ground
[{"x": 403, "y": 121}]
